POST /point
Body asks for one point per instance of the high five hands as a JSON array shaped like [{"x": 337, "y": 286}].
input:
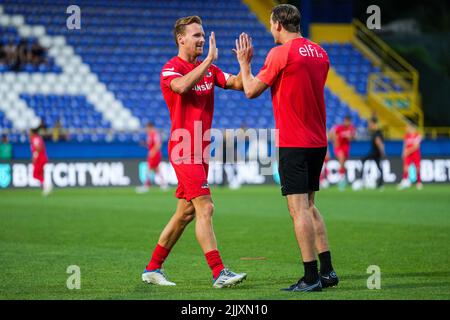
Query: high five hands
[
  {"x": 244, "y": 49},
  {"x": 213, "y": 52}
]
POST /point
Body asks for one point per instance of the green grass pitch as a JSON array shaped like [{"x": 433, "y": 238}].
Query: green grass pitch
[{"x": 110, "y": 233}]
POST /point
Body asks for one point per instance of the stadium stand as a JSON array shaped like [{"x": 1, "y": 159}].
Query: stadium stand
[
  {"x": 104, "y": 77},
  {"x": 351, "y": 64}
]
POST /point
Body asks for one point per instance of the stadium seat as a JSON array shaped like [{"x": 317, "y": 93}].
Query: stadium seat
[{"x": 127, "y": 48}]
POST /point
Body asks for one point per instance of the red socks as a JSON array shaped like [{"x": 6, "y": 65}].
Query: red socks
[
  {"x": 159, "y": 255},
  {"x": 214, "y": 262}
]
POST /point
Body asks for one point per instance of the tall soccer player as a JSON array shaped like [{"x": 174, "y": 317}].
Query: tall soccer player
[
  {"x": 154, "y": 158},
  {"x": 39, "y": 159},
  {"x": 187, "y": 84},
  {"x": 411, "y": 155},
  {"x": 342, "y": 135},
  {"x": 296, "y": 71}
]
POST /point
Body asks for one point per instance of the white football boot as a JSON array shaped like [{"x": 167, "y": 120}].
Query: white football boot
[
  {"x": 156, "y": 277},
  {"x": 404, "y": 184},
  {"x": 228, "y": 278}
]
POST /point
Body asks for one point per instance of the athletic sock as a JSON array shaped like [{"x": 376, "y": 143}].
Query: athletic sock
[
  {"x": 311, "y": 272},
  {"x": 159, "y": 255},
  {"x": 405, "y": 175},
  {"x": 214, "y": 262},
  {"x": 325, "y": 262}
]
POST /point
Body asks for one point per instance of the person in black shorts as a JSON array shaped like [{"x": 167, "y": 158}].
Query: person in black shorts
[
  {"x": 300, "y": 169},
  {"x": 376, "y": 151},
  {"x": 296, "y": 72}
]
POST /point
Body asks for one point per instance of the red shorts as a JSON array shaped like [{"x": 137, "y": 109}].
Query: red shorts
[
  {"x": 38, "y": 169},
  {"x": 345, "y": 151},
  {"x": 413, "y": 158},
  {"x": 154, "y": 161},
  {"x": 192, "y": 180}
]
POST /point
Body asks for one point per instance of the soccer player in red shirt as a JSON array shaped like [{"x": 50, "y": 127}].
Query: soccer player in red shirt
[
  {"x": 411, "y": 155},
  {"x": 39, "y": 159},
  {"x": 342, "y": 135},
  {"x": 154, "y": 158},
  {"x": 187, "y": 84},
  {"x": 296, "y": 71}
]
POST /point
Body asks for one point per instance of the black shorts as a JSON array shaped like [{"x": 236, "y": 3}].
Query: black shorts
[{"x": 300, "y": 169}]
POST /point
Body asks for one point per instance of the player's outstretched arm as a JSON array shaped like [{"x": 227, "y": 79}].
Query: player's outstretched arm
[
  {"x": 185, "y": 83},
  {"x": 253, "y": 87},
  {"x": 235, "y": 82}
]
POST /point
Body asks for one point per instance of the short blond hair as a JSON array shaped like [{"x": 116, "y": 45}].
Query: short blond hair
[{"x": 180, "y": 25}]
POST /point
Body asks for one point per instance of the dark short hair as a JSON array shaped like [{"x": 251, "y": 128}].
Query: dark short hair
[
  {"x": 180, "y": 25},
  {"x": 288, "y": 15},
  {"x": 348, "y": 117},
  {"x": 150, "y": 124},
  {"x": 374, "y": 120}
]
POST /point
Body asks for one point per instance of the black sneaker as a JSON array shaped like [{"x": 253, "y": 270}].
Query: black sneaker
[
  {"x": 302, "y": 286},
  {"x": 329, "y": 280}
]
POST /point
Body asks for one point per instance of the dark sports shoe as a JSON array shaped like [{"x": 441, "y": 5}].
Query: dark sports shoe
[
  {"x": 329, "y": 280},
  {"x": 302, "y": 286}
]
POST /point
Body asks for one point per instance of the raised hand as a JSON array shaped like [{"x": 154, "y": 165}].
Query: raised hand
[
  {"x": 213, "y": 53},
  {"x": 244, "y": 49}
]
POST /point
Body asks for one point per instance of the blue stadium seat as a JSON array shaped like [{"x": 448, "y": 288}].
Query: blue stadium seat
[{"x": 127, "y": 43}]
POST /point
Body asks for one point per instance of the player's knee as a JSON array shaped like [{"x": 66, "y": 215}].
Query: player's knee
[
  {"x": 188, "y": 214},
  {"x": 297, "y": 212},
  {"x": 190, "y": 210},
  {"x": 206, "y": 210},
  {"x": 187, "y": 218}
]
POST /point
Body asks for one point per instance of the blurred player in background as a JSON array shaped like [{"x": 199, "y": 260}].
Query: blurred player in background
[
  {"x": 5, "y": 148},
  {"x": 154, "y": 158},
  {"x": 376, "y": 153},
  {"x": 39, "y": 160},
  {"x": 296, "y": 71},
  {"x": 411, "y": 156},
  {"x": 342, "y": 135},
  {"x": 187, "y": 84}
]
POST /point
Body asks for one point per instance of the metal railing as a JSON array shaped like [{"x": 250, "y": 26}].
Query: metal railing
[{"x": 400, "y": 94}]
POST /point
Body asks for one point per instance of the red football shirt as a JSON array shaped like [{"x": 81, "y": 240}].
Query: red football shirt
[
  {"x": 343, "y": 135},
  {"x": 410, "y": 140},
  {"x": 36, "y": 141},
  {"x": 153, "y": 138},
  {"x": 196, "y": 106},
  {"x": 296, "y": 72}
]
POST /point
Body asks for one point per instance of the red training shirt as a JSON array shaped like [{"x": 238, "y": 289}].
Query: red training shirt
[
  {"x": 343, "y": 135},
  {"x": 153, "y": 138},
  {"x": 410, "y": 140},
  {"x": 296, "y": 72},
  {"x": 196, "y": 105},
  {"x": 36, "y": 141}
]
